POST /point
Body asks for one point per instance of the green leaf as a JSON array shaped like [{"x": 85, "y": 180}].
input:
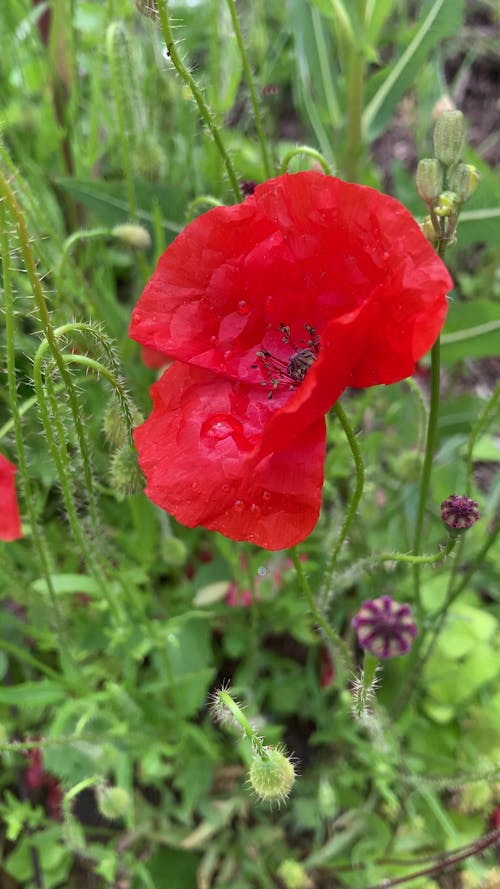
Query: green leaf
[
  {"x": 472, "y": 330},
  {"x": 67, "y": 583},
  {"x": 107, "y": 200},
  {"x": 443, "y": 19},
  {"x": 32, "y": 694}
]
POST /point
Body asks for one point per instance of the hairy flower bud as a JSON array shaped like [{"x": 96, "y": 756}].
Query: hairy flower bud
[
  {"x": 125, "y": 475},
  {"x": 112, "y": 802},
  {"x": 114, "y": 426},
  {"x": 272, "y": 777},
  {"x": 459, "y": 513},
  {"x": 384, "y": 627},
  {"x": 174, "y": 552},
  {"x": 135, "y": 236},
  {"x": 449, "y": 137},
  {"x": 464, "y": 181},
  {"x": 430, "y": 178}
]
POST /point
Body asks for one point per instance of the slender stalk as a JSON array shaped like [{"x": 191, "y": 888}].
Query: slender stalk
[
  {"x": 246, "y": 727},
  {"x": 307, "y": 150},
  {"x": 203, "y": 108},
  {"x": 355, "y": 91},
  {"x": 356, "y": 496},
  {"x": 427, "y": 467},
  {"x": 418, "y": 560},
  {"x": 29, "y": 500},
  {"x": 336, "y": 640},
  {"x": 48, "y": 330},
  {"x": 251, "y": 89}
]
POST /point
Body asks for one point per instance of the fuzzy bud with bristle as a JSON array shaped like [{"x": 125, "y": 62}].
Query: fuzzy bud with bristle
[
  {"x": 112, "y": 802},
  {"x": 126, "y": 477},
  {"x": 135, "y": 236},
  {"x": 272, "y": 775}
]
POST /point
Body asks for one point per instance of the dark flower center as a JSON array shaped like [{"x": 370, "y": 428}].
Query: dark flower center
[{"x": 289, "y": 373}]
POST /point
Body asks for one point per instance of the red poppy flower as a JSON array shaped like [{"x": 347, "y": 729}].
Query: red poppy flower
[
  {"x": 270, "y": 309},
  {"x": 10, "y": 521}
]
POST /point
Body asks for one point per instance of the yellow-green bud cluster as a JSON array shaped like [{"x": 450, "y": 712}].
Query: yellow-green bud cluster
[
  {"x": 272, "y": 775},
  {"x": 443, "y": 182}
]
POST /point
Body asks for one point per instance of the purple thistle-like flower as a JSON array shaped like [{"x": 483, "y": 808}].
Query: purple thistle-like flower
[
  {"x": 459, "y": 513},
  {"x": 384, "y": 627}
]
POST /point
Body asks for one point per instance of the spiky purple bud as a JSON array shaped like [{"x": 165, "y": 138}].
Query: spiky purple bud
[
  {"x": 384, "y": 627},
  {"x": 459, "y": 513}
]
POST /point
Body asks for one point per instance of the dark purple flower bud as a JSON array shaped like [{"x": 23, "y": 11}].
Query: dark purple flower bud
[
  {"x": 459, "y": 513},
  {"x": 384, "y": 627},
  {"x": 247, "y": 187}
]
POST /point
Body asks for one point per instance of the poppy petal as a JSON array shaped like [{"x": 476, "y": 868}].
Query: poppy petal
[
  {"x": 199, "y": 451},
  {"x": 10, "y": 521}
]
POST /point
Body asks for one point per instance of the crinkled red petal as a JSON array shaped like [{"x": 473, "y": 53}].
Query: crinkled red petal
[
  {"x": 10, "y": 520},
  {"x": 200, "y": 453},
  {"x": 303, "y": 249}
]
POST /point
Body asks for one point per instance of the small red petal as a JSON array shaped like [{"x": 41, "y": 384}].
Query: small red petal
[
  {"x": 10, "y": 520},
  {"x": 153, "y": 359}
]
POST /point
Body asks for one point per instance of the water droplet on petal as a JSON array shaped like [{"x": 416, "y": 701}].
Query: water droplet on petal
[
  {"x": 219, "y": 426},
  {"x": 255, "y": 510},
  {"x": 226, "y": 489},
  {"x": 266, "y": 495},
  {"x": 213, "y": 340},
  {"x": 136, "y": 317},
  {"x": 239, "y": 505},
  {"x": 243, "y": 307}
]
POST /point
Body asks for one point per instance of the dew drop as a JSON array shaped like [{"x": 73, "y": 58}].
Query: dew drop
[
  {"x": 226, "y": 489},
  {"x": 137, "y": 317},
  {"x": 218, "y": 427},
  {"x": 243, "y": 307},
  {"x": 255, "y": 510},
  {"x": 239, "y": 505},
  {"x": 266, "y": 495},
  {"x": 262, "y": 571},
  {"x": 213, "y": 340}
]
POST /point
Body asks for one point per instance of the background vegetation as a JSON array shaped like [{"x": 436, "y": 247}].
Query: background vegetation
[{"x": 116, "y": 623}]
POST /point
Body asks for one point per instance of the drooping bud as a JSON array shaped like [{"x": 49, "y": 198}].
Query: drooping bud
[
  {"x": 135, "y": 236},
  {"x": 272, "y": 776},
  {"x": 174, "y": 551},
  {"x": 459, "y": 514},
  {"x": 112, "y": 802},
  {"x": 464, "y": 181},
  {"x": 384, "y": 627},
  {"x": 114, "y": 426},
  {"x": 430, "y": 176},
  {"x": 125, "y": 474},
  {"x": 449, "y": 137}
]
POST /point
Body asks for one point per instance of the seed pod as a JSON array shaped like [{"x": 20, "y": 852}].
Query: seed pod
[{"x": 449, "y": 137}]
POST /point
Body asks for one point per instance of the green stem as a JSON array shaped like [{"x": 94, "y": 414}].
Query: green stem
[
  {"x": 251, "y": 88},
  {"x": 198, "y": 202},
  {"x": 48, "y": 330},
  {"x": 356, "y": 497},
  {"x": 69, "y": 243},
  {"x": 29, "y": 500},
  {"x": 430, "y": 445},
  {"x": 246, "y": 727},
  {"x": 203, "y": 108},
  {"x": 336, "y": 640},
  {"x": 355, "y": 89},
  {"x": 311, "y": 152},
  {"x": 478, "y": 428},
  {"x": 419, "y": 560}
]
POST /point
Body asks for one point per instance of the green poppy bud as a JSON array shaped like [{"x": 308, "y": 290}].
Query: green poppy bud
[
  {"x": 430, "y": 177},
  {"x": 449, "y": 136},
  {"x": 294, "y": 875},
  {"x": 125, "y": 475},
  {"x": 464, "y": 181},
  {"x": 135, "y": 236},
  {"x": 272, "y": 778},
  {"x": 112, "y": 802}
]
